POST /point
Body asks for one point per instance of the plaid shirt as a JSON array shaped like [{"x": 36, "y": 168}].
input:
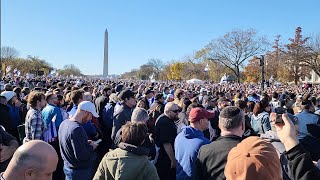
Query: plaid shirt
[
  {"x": 1, "y": 176},
  {"x": 34, "y": 125}
]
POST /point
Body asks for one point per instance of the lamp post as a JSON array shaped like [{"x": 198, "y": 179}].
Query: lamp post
[{"x": 261, "y": 58}]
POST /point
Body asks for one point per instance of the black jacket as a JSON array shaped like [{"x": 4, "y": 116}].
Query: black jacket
[
  {"x": 212, "y": 158},
  {"x": 120, "y": 118},
  {"x": 5, "y": 120},
  {"x": 100, "y": 103},
  {"x": 297, "y": 164}
]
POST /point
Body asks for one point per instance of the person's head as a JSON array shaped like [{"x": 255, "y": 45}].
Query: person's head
[
  {"x": 170, "y": 98},
  {"x": 119, "y": 88},
  {"x": 139, "y": 115},
  {"x": 205, "y": 99},
  {"x": 34, "y": 160},
  {"x": 17, "y": 90},
  {"x": 178, "y": 94},
  {"x": 87, "y": 96},
  {"x": 60, "y": 99},
  {"x": 8, "y": 87},
  {"x": 141, "y": 88},
  {"x": 231, "y": 121},
  {"x": 127, "y": 97},
  {"x": 199, "y": 118},
  {"x": 113, "y": 98},
  {"x": 52, "y": 99},
  {"x": 134, "y": 133},
  {"x": 223, "y": 102},
  {"x": 262, "y": 106},
  {"x": 141, "y": 103},
  {"x": 57, "y": 91},
  {"x": 166, "y": 90},
  {"x": 85, "y": 111},
  {"x": 37, "y": 100},
  {"x": 307, "y": 104},
  {"x": 159, "y": 97},
  {"x": 253, "y": 158},
  {"x": 106, "y": 91},
  {"x": 212, "y": 102},
  {"x": 203, "y": 91},
  {"x": 171, "y": 110},
  {"x": 25, "y": 91},
  {"x": 241, "y": 104},
  {"x": 275, "y": 95},
  {"x": 3, "y": 100},
  {"x": 76, "y": 96},
  {"x": 250, "y": 106},
  {"x": 10, "y": 96},
  {"x": 149, "y": 94}
]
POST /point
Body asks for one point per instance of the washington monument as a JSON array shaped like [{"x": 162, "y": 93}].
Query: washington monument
[{"x": 105, "y": 62}]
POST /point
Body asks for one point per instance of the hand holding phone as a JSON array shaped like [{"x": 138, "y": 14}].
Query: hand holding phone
[
  {"x": 279, "y": 111},
  {"x": 97, "y": 141}
]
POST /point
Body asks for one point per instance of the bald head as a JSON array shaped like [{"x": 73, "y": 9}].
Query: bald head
[
  {"x": 170, "y": 106},
  {"x": 171, "y": 110},
  {"x": 31, "y": 157}
]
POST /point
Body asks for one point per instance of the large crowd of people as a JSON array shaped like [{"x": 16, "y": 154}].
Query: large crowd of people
[{"x": 83, "y": 129}]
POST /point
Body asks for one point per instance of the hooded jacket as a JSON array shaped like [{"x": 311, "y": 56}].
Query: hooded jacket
[
  {"x": 187, "y": 155},
  {"x": 261, "y": 123},
  {"x": 126, "y": 162}
]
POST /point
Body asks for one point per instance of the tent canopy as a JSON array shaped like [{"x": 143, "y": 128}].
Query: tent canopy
[{"x": 195, "y": 81}]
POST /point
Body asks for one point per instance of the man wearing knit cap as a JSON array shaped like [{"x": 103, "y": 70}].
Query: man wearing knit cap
[
  {"x": 193, "y": 136},
  {"x": 212, "y": 158},
  {"x": 252, "y": 159},
  {"x": 123, "y": 114}
]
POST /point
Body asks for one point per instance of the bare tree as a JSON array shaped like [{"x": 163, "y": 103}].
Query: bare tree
[
  {"x": 235, "y": 47},
  {"x": 157, "y": 66},
  {"x": 297, "y": 55},
  {"x": 313, "y": 57},
  {"x": 7, "y": 54},
  {"x": 69, "y": 69}
]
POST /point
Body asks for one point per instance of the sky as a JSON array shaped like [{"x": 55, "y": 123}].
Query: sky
[{"x": 72, "y": 32}]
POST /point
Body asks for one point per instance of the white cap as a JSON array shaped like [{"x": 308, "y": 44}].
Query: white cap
[
  {"x": 8, "y": 94},
  {"x": 170, "y": 96},
  {"x": 88, "y": 106}
]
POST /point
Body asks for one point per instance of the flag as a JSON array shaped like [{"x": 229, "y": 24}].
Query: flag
[
  {"x": 8, "y": 69},
  {"x": 206, "y": 69}
]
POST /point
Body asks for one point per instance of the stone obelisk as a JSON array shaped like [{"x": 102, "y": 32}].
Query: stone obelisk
[{"x": 105, "y": 62}]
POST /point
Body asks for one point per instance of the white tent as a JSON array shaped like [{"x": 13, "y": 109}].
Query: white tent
[{"x": 195, "y": 81}]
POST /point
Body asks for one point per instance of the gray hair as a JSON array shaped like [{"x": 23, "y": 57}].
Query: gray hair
[
  {"x": 87, "y": 96},
  {"x": 232, "y": 122},
  {"x": 139, "y": 115}
]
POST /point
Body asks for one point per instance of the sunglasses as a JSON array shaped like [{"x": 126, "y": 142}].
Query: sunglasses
[{"x": 176, "y": 111}]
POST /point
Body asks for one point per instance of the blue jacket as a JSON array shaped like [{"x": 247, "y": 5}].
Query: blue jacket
[
  {"x": 14, "y": 115},
  {"x": 187, "y": 145},
  {"x": 305, "y": 118},
  {"x": 88, "y": 127},
  {"x": 49, "y": 112},
  {"x": 261, "y": 123}
]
